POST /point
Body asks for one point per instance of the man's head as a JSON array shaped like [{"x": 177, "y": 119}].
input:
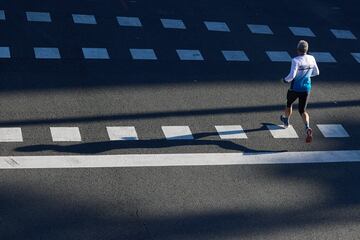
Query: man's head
[{"x": 302, "y": 47}]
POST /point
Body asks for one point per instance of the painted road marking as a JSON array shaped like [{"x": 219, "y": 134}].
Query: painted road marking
[
  {"x": 279, "y": 56},
  {"x": 189, "y": 55},
  {"x": 279, "y": 131},
  {"x": 302, "y": 31},
  {"x": 5, "y": 52},
  {"x": 356, "y": 56},
  {"x": 260, "y": 29},
  {"x": 333, "y": 131},
  {"x": 122, "y": 133},
  {"x": 173, "y": 160},
  {"x": 235, "y": 56},
  {"x": 11, "y": 135},
  {"x": 231, "y": 132},
  {"x": 47, "y": 53},
  {"x": 324, "y": 57},
  {"x": 173, "y": 23},
  {"x": 2, "y": 15},
  {"x": 95, "y": 53},
  {"x": 38, "y": 16},
  {"x": 129, "y": 21},
  {"x": 177, "y": 132},
  {"x": 217, "y": 26},
  {"x": 84, "y": 19},
  {"x": 143, "y": 54},
  {"x": 343, "y": 34},
  {"x": 65, "y": 134}
]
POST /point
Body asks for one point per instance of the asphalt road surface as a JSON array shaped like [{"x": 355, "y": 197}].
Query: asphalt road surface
[{"x": 75, "y": 76}]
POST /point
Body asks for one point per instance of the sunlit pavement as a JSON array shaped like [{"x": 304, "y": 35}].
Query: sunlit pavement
[{"x": 160, "y": 120}]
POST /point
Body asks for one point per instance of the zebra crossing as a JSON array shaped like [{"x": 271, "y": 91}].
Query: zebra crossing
[
  {"x": 52, "y": 53},
  {"x": 129, "y": 133},
  {"x": 126, "y": 21}
]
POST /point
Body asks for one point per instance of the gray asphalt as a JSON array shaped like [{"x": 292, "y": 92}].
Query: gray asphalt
[{"x": 242, "y": 202}]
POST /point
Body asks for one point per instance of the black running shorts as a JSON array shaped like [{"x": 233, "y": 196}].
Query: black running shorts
[{"x": 303, "y": 99}]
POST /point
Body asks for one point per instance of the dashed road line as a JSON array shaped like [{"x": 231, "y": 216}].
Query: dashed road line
[{"x": 127, "y": 133}]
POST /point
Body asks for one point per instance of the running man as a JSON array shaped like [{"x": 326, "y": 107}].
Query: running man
[{"x": 303, "y": 67}]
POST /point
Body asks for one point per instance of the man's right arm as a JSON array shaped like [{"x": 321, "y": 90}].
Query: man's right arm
[{"x": 293, "y": 71}]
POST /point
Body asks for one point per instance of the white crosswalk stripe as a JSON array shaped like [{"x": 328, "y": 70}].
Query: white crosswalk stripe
[
  {"x": 279, "y": 56},
  {"x": 129, "y": 21},
  {"x": 47, "y": 53},
  {"x": 2, "y": 15},
  {"x": 5, "y": 52},
  {"x": 173, "y": 23},
  {"x": 38, "y": 16},
  {"x": 235, "y": 56},
  {"x": 217, "y": 26},
  {"x": 189, "y": 55},
  {"x": 143, "y": 54},
  {"x": 279, "y": 131},
  {"x": 333, "y": 130},
  {"x": 343, "y": 34},
  {"x": 95, "y": 53},
  {"x": 356, "y": 56},
  {"x": 260, "y": 29},
  {"x": 177, "y": 132},
  {"x": 122, "y": 133},
  {"x": 84, "y": 19},
  {"x": 11, "y": 135},
  {"x": 231, "y": 132},
  {"x": 324, "y": 57},
  {"x": 65, "y": 134},
  {"x": 302, "y": 31}
]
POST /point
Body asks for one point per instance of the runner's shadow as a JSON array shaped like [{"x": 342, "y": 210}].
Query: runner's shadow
[{"x": 100, "y": 147}]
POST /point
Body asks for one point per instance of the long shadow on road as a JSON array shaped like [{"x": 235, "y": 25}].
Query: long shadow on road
[{"x": 100, "y": 147}]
